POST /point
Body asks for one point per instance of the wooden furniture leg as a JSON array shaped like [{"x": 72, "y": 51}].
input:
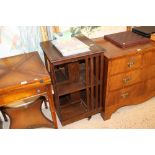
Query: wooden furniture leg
[
  {"x": 45, "y": 103},
  {"x": 106, "y": 116},
  {"x": 51, "y": 104}
]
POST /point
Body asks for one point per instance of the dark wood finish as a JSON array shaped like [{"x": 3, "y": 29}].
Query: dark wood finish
[
  {"x": 128, "y": 75},
  {"x": 24, "y": 76},
  {"x": 57, "y": 58},
  {"x": 77, "y": 81}
]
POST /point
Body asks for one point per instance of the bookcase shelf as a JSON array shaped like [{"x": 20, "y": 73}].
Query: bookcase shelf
[
  {"x": 72, "y": 109},
  {"x": 71, "y": 87}
]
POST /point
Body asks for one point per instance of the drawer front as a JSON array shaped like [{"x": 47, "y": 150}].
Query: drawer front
[
  {"x": 125, "y": 79},
  {"x": 125, "y": 64},
  {"x": 127, "y": 95},
  {"x": 20, "y": 94},
  {"x": 151, "y": 85}
]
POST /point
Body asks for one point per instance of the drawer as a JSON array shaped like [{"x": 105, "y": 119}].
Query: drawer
[
  {"x": 125, "y": 64},
  {"x": 125, "y": 79},
  {"x": 20, "y": 94},
  {"x": 127, "y": 95},
  {"x": 151, "y": 85}
]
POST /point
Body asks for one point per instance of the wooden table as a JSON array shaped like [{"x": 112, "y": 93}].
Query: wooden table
[{"x": 21, "y": 77}]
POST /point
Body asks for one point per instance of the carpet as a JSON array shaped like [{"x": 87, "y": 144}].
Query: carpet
[{"x": 141, "y": 116}]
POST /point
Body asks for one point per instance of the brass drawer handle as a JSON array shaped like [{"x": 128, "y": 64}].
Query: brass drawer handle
[
  {"x": 125, "y": 95},
  {"x": 131, "y": 63},
  {"x": 126, "y": 80}
]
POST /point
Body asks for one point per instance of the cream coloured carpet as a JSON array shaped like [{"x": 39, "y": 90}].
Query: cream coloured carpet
[{"x": 135, "y": 117}]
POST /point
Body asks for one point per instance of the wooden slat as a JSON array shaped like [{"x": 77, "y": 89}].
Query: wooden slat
[
  {"x": 45, "y": 58},
  {"x": 97, "y": 81},
  {"x": 47, "y": 63},
  {"x": 56, "y": 97},
  {"x": 87, "y": 82},
  {"x": 92, "y": 81},
  {"x": 101, "y": 79}
]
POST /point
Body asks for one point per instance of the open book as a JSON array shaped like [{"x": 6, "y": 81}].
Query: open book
[{"x": 70, "y": 46}]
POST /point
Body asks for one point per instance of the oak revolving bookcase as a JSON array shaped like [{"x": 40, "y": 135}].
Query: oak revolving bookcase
[{"x": 77, "y": 81}]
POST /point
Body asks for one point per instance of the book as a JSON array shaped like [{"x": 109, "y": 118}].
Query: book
[
  {"x": 70, "y": 46},
  {"x": 126, "y": 39}
]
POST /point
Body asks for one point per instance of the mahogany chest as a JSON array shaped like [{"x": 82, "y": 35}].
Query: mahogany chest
[{"x": 129, "y": 75}]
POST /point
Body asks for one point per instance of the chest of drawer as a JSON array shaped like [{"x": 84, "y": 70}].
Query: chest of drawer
[
  {"x": 125, "y": 79},
  {"x": 149, "y": 72},
  {"x": 125, "y": 64},
  {"x": 127, "y": 95},
  {"x": 151, "y": 85},
  {"x": 149, "y": 58}
]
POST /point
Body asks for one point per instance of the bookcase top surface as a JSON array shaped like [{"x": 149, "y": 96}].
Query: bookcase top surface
[{"x": 56, "y": 57}]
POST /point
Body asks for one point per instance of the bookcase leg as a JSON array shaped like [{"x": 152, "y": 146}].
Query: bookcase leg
[{"x": 89, "y": 118}]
